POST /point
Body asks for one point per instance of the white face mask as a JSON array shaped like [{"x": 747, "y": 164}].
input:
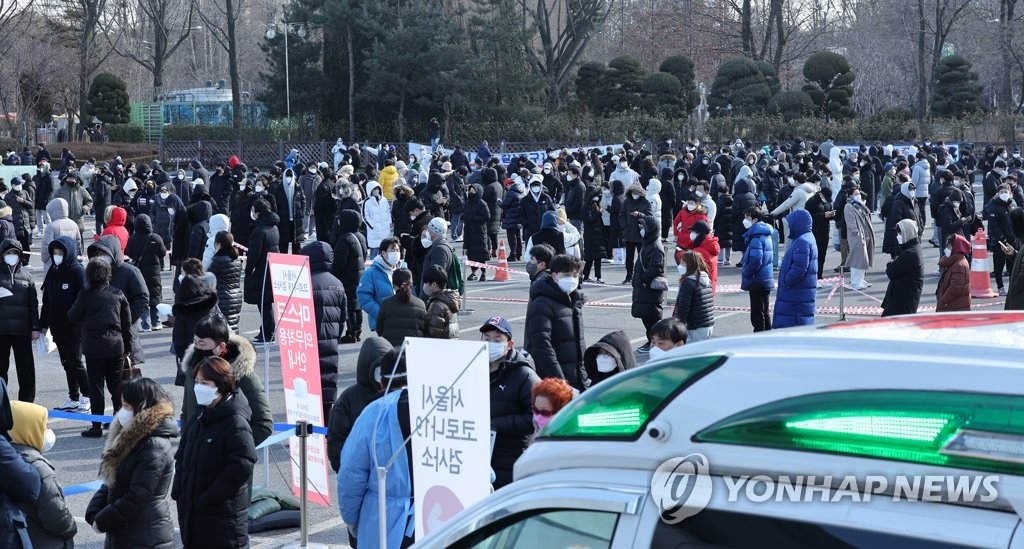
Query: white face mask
[
  {"x": 568, "y": 284},
  {"x": 956, "y": 205},
  {"x": 698, "y": 194},
  {"x": 957, "y": 183},
  {"x": 17, "y": 187},
  {"x": 691, "y": 207},
  {"x": 636, "y": 196},
  {"x": 49, "y": 439},
  {"x": 858, "y": 199},
  {"x": 426, "y": 241},
  {"x": 392, "y": 258},
  {"x": 164, "y": 196},
  {"x": 535, "y": 190},
  {"x": 654, "y": 353},
  {"x": 58, "y": 259},
  {"x": 606, "y": 364},
  {"x": 1005, "y": 197},
  {"x": 181, "y": 278},
  {"x": 241, "y": 185},
  {"x": 643, "y": 232},
  {"x": 624, "y": 166},
  {"x": 547, "y": 171},
  {"x": 693, "y": 236},
  {"x": 170, "y": 211},
  {"x": 899, "y": 239},
  {"x": 948, "y": 252},
  {"x": 259, "y": 188},
  {"x": 205, "y": 394},
  {"x": 748, "y": 223},
  {"x": 496, "y": 351},
  {"x": 253, "y": 216},
  {"x": 680, "y": 177},
  {"x": 681, "y": 268},
  {"x": 124, "y": 417},
  {"x": 12, "y": 259}
]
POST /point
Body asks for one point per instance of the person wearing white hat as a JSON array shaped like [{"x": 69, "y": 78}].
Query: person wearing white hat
[{"x": 439, "y": 251}]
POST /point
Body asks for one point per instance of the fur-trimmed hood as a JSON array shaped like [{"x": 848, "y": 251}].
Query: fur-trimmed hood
[
  {"x": 241, "y": 355},
  {"x": 121, "y": 440}
]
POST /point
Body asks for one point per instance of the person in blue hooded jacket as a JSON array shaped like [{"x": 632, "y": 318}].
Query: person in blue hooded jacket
[
  {"x": 358, "y": 497},
  {"x": 758, "y": 278},
  {"x": 798, "y": 274},
  {"x": 375, "y": 284},
  {"x": 20, "y": 482}
]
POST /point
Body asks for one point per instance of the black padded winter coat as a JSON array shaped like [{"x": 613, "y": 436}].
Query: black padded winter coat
[
  {"x": 19, "y": 313},
  {"x": 554, "y": 332},
  {"x": 348, "y": 262},
  {"x": 148, "y": 253},
  {"x": 229, "y": 286},
  {"x": 263, "y": 239},
  {"x": 331, "y": 311}
]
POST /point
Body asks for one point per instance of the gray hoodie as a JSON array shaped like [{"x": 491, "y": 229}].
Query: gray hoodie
[{"x": 59, "y": 225}]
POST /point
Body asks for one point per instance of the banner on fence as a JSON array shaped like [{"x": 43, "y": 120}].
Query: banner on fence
[
  {"x": 537, "y": 157},
  {"x": 450, "y": 411},
  {"x": 292, "y": 287},
  {"x": 907, "y": 148}
]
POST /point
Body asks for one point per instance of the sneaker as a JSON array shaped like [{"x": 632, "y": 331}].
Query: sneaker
[
  {"x": 644, "y": 349},
  {"x": 157, "y": 326},
  {"x": 483, "y": 278},
  {"x": 471, "y": 277},
  {"x": 627, "y": 281},
  {"x": 1002, "y": 291},
  {"x": 261, "y": 339},
  {"x": 144, "y": 329},
  {"x": 821, "y": 284},
  {"x": 84, "y": 405},
  {"x": 93, "y": 432},
  {"x": 862, "y": 286},
  {"x": 68, "y": 405},
  {"x": 587, "y": 279},
  {"x": 599, "y": 281}
]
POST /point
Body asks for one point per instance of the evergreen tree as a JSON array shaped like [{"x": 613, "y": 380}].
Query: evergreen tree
[
  {"x": 108, "y": 99},
  {"x": 771, "y": 76},
  {"x": 662, "y": 93},
  {"x": 503, "y": 84},
  {"x": 739, "y": 88},
  {"x": 681, "y": 67},
  {"x": 957, "y": 90},
  {"x": 305, "y": 77},
  {"x": 829, "y": 84},
  {"x": 589, "y": 84},
  {"x": 621, "y": 85},
  {"x": 791, "y": 105}
]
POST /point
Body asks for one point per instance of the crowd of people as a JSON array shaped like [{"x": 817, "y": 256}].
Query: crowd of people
[{"x": 383, "y": 235}]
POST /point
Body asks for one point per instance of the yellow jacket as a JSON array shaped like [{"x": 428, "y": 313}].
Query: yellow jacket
[{"x": 387, "y": 179}]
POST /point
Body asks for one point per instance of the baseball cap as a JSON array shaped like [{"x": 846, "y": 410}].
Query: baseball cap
[{"x": 497, "y": 323}]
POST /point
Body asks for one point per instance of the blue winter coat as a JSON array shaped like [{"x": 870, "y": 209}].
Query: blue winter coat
[
  {"x": 798, "y": 275},
  {"x": 374, "y": 287},
  {"x": 357, "y": 477},
  {"x": 758, "y": 257}
]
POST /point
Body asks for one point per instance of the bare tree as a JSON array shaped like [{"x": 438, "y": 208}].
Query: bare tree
[
  {"x": 221, "y": 21},
  {"x": 170, "y": 29},
  {"x": 563, "y": 30},
  {"x": 935, "y": 21}
]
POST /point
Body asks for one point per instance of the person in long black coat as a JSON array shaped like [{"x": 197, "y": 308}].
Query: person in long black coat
[
  {"x": 213, "y": 464},
  {"x": 743, "y": 199},
  {"x": 355, "y": 397},
  {"x": 131, "y": 506},
  {"x": 901, "y": 207},
  {"x": 227, "y": 267},
  {"x": 492, "y": 195},
  {"x": 263, "y": 239},
  {"x": 595, "y": 239},
  {"x": 647, "y": 301},
  {"x": 634, "y": 209},
  {"x": 906, "y": 273},
  {"x": 331, "y": 311},
  {"x": 348, "y": 265},
  {"x": 290, "y": 212},
  {"x": 199, "y": 222},
  {"x": 148, "y": 253},
  {"x": 196, "y": 298},
  {"x": 554, "y": 326},
  {"x": 476, "y": 218},
  {"x": 822, "y": 212}
]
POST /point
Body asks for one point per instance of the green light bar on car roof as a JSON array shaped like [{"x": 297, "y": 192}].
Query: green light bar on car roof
[
  {"x": 964, "y": 430},
  {"x": 620, "y": 407}
]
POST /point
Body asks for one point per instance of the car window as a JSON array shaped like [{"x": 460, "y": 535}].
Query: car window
[
  {"x": 553, "y": 528},
  {"x": 723, "y": 530}
]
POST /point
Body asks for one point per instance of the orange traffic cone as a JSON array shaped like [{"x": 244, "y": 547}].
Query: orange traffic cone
[
  {"x": 981, "y": 286},
  {"x": 501, "y": 273}
]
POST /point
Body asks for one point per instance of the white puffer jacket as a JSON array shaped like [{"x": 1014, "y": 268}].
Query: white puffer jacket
[{"x": 377, "y": 216}]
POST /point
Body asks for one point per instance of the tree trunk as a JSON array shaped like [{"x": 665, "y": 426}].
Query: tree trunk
[
  {"x": 351, "y": 85},
  {"x": 236, "y": 82},
  {"x": 401, "y": 119},
  {"x": 746, "y": 29},
  {"x": 1004, "y": 93},
  {"x": 922, "y": 77}
]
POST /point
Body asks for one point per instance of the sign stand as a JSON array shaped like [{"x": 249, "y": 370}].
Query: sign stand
[{"x": 302, "y": 430}]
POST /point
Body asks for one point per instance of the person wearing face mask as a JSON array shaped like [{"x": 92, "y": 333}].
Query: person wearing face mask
[
  {"x": 103, "y": 314},
  {"x": 50, "y": 523},
  {"x": 595, "y": 239},
  {"x": 291, "y": 201},
  {"x": 921, "y": 176},
  {"x": 798, "y": 275},
  {"x": 131, "y": 506},
  {"x": 533, "y": 206},
  {"x": 20, "y": 200},
  {"x": 125, "y": 198},
  {"x": 952, "y": 217},
  {"x": 61, "y": 286},
  {"x": 509, "y": 206},
  {"x": 695, "y": 303},
  {"x": 549, "y": 396},
  {"x": 611, "y": 355},
  {"x": 709, "y": 247},
  {"x": 476, "y": 218},
  {"x": 214, "y": 461},
  {"x": 116, "y": 220},
  {"x": 668, "y": 334},
  {"x": 21, "y": 483},
  {"x": 196, "y": 298},
  {"x": 439, "y": 251},
  {"x": 758, "y": 277},
  {"x": 165, "y": 211},
  {"x": 375, "y": 284},
  {"x": 148, "y": 254},
  {"x": 263, "y": 239},
  {"x": 512, "y": 379},
  {"x": 953, "y": 292},
  {"x": 354, "y": 399},
  {"x": 213, "y": 338},
  {"x": 554, "y": 323},
  {"x": 403, "y": 314},
  {"x": 634, "y": 209},
  {"x": 226, "y": 267},
  {"x": 905, "y": 272},
  {"x": 649, "y": 268},
  {"x": 900, "y": 207},
  {"x": 78, "y": 199},
  {"x": 993, "y": 179},
  {"x": 997, "y": 215},
  {"x": 860, "y": 239}
]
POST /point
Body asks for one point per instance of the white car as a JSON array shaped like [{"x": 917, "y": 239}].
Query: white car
[{"x": 773, "y": 427}]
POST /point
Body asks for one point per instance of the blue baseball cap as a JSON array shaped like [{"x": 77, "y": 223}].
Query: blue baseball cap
[{"x": 497, "y": 323}]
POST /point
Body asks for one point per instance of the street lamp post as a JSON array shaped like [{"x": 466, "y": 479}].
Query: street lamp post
[{"x": 286, "y": 26}]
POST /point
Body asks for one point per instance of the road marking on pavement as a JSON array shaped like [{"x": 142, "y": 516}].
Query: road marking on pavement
[{"x": 326, "y": 525}]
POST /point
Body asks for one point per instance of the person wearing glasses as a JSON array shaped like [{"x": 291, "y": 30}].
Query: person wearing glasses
[
  {"x": 549, "y": 396},
  {"x": 512, "y": 380}
]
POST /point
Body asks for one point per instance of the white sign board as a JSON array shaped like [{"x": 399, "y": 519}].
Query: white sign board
[
  {"x": 450, "y": 413},
  {"x": 537, "y": 157}
]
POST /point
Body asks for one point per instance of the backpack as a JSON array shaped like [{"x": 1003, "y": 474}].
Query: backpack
[{"x": 455, "y": 274}]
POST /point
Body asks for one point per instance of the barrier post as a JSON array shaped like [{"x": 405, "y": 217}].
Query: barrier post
[
  {"x": 302, "y": 430},
  {"x": 842, "y": 294}
]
